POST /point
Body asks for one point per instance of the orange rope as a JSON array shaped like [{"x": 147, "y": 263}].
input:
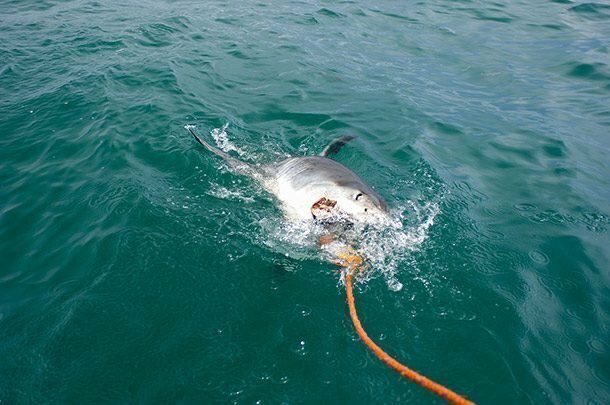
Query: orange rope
[{"x": 353, "y": 261}]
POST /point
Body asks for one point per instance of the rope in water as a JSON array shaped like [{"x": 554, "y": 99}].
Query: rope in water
[{"x": 445, "y": 393}]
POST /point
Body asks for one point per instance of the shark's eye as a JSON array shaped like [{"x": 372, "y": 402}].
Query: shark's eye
[
  {"x": 357, "y": 196},
  {"x": 366, "y": 210}
]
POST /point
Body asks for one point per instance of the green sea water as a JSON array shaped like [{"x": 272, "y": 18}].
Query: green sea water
[{"x": 137, "y": 268}]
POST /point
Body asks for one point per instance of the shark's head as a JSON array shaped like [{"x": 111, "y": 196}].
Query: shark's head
[{"x": 363, "y": 206}]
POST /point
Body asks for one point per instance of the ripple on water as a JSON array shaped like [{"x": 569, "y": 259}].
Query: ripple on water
[
  {"x": 538, "y": 257},
  {"x": 591, "y": 219},
  {"x": 593, "y": 11},
  {"x": 596, "y": 72},
  {"x": 599, "y": 346},
  {"x": 98, "y": 181}
]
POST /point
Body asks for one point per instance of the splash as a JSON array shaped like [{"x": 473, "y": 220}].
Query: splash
[
  {"x": 222, "y": 140},
  {"x": 387, "y": 250}
]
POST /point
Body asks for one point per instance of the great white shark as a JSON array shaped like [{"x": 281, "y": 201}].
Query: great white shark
[{"x": 314, "y": 187}]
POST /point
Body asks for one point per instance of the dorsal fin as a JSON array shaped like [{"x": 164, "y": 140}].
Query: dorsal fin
[{"x": 336, "y": 145}]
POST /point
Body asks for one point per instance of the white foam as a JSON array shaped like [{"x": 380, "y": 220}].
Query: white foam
[
  {"x": 387, "y": 250},
  {"x": 222, "y": 140},
  {"x": 226, "y": 194}
]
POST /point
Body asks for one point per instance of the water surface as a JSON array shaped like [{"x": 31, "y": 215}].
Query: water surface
[{"x": 137, "y": 268}]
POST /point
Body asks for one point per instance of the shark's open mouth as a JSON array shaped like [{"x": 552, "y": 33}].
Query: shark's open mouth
[{"x": 323, "y": 209}]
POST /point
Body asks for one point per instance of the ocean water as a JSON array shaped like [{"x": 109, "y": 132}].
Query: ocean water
[{"x": 137, "y": 268}]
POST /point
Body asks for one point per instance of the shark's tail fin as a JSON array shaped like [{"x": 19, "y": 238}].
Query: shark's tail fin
[
  {"x": 235, "y": 164},
  {"x": 335, "y": 146}
]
